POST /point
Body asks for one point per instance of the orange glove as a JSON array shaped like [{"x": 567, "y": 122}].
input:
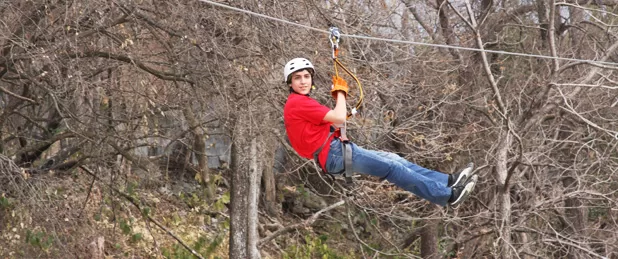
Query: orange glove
[{"x": 339, "y": 85}]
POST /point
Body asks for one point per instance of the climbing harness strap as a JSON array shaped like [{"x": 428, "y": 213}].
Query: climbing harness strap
[
  {"x": 317, "y": 152},
  {"x": 346, "y": 149}
]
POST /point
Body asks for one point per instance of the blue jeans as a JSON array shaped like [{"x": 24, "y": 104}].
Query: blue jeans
[{"x": 427, "y": 184}]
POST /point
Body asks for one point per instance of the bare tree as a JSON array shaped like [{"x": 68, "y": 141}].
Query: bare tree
[{"x": 138, "y": 89}]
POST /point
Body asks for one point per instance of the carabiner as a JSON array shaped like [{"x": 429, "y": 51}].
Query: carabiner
[{"x": 334, "y": 39}]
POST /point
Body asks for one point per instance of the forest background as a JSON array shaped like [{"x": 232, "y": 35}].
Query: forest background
[{"x": 147, "y": 128}]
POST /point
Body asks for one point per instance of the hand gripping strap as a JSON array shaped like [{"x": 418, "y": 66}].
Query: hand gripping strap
[{"x": 339, "y": 84}]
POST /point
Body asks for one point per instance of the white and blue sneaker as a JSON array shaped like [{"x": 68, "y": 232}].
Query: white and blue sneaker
[
  {"x": 455, "y": 179},
  {"x": 461, "y": 192}
]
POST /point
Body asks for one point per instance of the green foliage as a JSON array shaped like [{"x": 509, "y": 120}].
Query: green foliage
[
  {"x": 107, "y": 200},
  {"x": 192, "y": 200},
  {"x": 203, "y": 246},
  {"x": 176, "y": 219},
  {"x": 302, "y": 191},
  {"x": 443, "y": 244},
  {"x": 314, "y": 247},
  {"x": 146, "y": 211},
  {"x": 39, "y": 239},
  {"x": 371, "y": 247},
  {"x": 594, "y": 213},
  {"x": 61, "y": 191},
  {"x": 6, "y": 203},
  {"x": 74, "y": 174},
  {"x": 136, "y": 237},
  {"x": 226, "y": 224},
  {"x": 222, "y": 201},
  {"x": 131, "y": 189},
  {"x": 201, "y": 200},
  {"x": 125, "y": 227}
]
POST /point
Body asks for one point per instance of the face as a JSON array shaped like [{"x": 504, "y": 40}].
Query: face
[{"x": 301, "y": 82}]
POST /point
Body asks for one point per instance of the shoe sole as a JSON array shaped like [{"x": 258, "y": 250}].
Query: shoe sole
[
  {"x": 463, "y": 176},
  {"x": 469, "y": 188}
]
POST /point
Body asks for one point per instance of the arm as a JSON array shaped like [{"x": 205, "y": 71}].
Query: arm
[{"x": 338, "y": 115}]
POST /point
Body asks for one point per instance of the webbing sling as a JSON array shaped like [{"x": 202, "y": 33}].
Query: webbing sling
[
  {"x": 346, "y": 147},
  {"x": 334, "y": 38}
]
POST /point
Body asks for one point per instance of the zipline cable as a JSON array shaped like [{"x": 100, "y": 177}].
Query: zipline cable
[{"x": 592, "y": 62}]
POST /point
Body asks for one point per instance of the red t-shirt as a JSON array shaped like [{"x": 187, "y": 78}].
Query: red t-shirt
[{"x": 305, "y": 125}]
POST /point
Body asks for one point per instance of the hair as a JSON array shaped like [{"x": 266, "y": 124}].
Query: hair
[{"x": 311, "y": 71}]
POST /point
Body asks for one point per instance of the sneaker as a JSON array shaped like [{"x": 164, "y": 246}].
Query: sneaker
[
  {"x": 461, "y": 192},
  {"x": 455, "y": 179}
]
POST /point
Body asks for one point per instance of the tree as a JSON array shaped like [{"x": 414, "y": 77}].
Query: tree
[{"x": 134, "y": 89}]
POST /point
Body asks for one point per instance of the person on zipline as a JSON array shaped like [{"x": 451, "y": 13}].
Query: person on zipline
[{"x": 308, "y": 125}]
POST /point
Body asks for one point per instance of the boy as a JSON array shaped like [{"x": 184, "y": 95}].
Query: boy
[{"x": 308, "y": 125}]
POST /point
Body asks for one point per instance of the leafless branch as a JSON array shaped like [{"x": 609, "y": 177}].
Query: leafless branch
[{"x": 306, "y": 223}]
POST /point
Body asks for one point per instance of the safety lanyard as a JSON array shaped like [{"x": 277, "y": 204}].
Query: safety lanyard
[{"x": 334, "y": 38}]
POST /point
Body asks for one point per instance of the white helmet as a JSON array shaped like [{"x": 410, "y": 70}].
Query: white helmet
[{"x": 296, "y": 64}]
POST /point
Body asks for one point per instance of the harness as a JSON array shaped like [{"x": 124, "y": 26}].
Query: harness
[{"x": 346, "y": 147}]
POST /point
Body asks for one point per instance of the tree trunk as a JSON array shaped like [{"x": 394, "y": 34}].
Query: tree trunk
[
  {"x": 429, "y": 239},
  {"x": 574, "y": 212},
  {"x": 255, "y": 174},
  {"x": 270, "y": 190},
  {"x": 419, "y": 18},
  {"x": 542, "y": 13},
  {"x": 504, "y": 197},
  {"x": 446, "y": 28},
  {"x": 576, "y": 215},
  {"x": 199, "y": 149},
  {"x": 576, "y": 16},
  {"x": 239, "y": 201}
]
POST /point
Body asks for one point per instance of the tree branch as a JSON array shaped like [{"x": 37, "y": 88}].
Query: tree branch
[
  {"x": 410, "y": 5},
  {"x": 160, "y": 74},
  {"x": 17, "y": 96},
  {"x": 306, "y": 223},
  {"x": 488, "y": 73},
  {"x": 598, "y": 3},
  {"x": 44, "y": 143}
]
